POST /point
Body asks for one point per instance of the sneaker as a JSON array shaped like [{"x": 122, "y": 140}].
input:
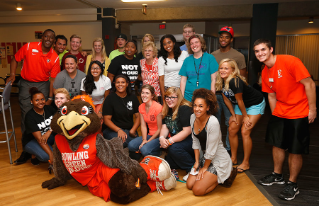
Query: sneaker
[
  {"x": 271, "y": 179},
  {"x": 24, "y": 157},
  {"x": 186, "y": 177},
  {"x": 175, "y": 173},
  {"x": 35, "y": 161},
  {"x": 157, "y": 169},
  {"x": 165, "y": 185},
  {"x": 290, "y": 191}
]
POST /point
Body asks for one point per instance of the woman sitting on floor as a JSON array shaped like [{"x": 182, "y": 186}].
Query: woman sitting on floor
[
  {"x": 151, "y": 118},
  {"x": 215, "y": 166}
]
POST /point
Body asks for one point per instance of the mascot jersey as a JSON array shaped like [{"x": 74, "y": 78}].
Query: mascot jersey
[{"x": 85, "y": 166}]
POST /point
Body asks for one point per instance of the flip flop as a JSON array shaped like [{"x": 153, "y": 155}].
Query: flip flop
[{"x": 242, "y": 170}]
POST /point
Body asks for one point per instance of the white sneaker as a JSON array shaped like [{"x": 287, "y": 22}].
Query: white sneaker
[
  {"x": 186, "y": 177},
  {"x": 157, "y": 169},
  {"x": 167, "y": 184}
]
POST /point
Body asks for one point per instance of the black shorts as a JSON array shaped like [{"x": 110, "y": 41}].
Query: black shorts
[{"x": 291, "y": 134}]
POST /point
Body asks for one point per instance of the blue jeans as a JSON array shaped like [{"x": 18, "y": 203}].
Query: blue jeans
[
  {"x": 110, "y": 134},
  {"x": 180, "y": 155},
  {"x": 222, "y": 106},
  {"x": 34, "y": 148},
  {"x": 150, "y": 148}
]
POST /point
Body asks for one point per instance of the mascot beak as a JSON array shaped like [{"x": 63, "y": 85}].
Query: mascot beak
[{"x": 73, "y": 123}]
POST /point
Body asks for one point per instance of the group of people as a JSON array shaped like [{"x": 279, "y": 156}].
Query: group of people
[{"x": 184, "y": 92}]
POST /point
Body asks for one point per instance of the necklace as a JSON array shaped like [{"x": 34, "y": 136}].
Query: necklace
[
  {"x": 43, "y": 115},
  {"x": 197, "y": 72}
]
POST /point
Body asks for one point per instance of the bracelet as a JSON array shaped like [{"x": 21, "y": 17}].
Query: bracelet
[
  {"x": 100, "y": 112},
  {"x": 50, "y": 98},
  {"x": 118, "y": 130},
  {"x": 171, "y": 140},
  {"x": 161, "y": 137}
]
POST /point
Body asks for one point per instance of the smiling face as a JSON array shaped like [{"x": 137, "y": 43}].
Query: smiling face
[
  {"x": 225, "y": 39},
  {"x": 171, "y": 100},
  {"x": 96, "y": 71},
  {"x": 263, "y": 52},
  {"x": 196, "y": 45},
  {"x": 146, "y": 95},
  {"x": 38, "y": 101},
  {"x": 200, "y": 107},
  {"x": 59, "y": 99},
  {"x": 75, "y": 44},
  {"x": 48, "y": 39},
  {"x": 225, "y": 70},
  {"x": 121, "y": 85},
  {"x": 130, "y": 50},
  {"x": 97, "y": 47},
  {"x": 148, "y": 53},
  {"x": 70, "y": 65},
  {"x": 168, "y": 45},
  {"x": 60, "y": 46},
  {"x": 188, "y": 32}
]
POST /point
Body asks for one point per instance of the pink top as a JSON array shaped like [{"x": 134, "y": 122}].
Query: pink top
[
  {"x": 150, "y": 117},
  {"x": 150, "y": 75}
]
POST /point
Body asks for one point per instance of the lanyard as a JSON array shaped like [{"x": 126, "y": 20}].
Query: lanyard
[{"x": 197, "y": 72}]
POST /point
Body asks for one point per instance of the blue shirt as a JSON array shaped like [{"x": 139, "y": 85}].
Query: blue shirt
[
  {"x": 208, "y": 66},
  {"x": 183, "y": 48}
]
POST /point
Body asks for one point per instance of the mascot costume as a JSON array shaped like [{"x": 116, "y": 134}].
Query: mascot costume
[{"x": 101, "y": 165}]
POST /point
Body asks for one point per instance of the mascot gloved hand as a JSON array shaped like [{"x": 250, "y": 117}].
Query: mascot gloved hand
[{"x": 101, "y": 165}]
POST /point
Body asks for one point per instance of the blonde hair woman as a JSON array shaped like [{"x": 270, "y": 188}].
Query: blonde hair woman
[
  {"x": 249, "y": 105},
  {"x": 147, "y": 38},
  {"x": 98, "y": 54},
  {"x": 175, "y": 135}
]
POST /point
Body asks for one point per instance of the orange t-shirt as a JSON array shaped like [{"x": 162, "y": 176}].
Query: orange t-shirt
[
  {"x": 85, "y": 166},
  {"x": 284, "y": 80},
  {"x": 150, "y": 117},
  {"x": 37, "y": 67}
]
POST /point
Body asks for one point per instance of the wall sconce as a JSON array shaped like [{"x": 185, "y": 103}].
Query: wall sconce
[
  {"x": 310, "y": 20},
  {"x": 144, "y": 6},
  {"x": 19, "y": 8}
]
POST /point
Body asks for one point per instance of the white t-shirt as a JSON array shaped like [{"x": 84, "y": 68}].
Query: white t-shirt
[
  {"x": 171, "y": 70},
  {"x": 103, "y": 84}
]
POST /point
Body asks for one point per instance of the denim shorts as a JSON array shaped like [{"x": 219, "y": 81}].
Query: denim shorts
[{"x": 252, "y": 110}]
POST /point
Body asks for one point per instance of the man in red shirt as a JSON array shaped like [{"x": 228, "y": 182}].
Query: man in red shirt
[
  {"x": 292, "y": 100},
  {"x": 75, "y": 44}
]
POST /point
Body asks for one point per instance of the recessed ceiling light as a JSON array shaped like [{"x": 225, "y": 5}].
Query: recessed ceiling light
[
  {"x": 310, "y": 20},
  {"x": 19, "y": 8},
  {"x": 127, "y": 1}
]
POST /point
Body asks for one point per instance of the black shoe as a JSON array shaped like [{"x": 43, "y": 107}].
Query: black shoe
[
  {"x": 35, "y": 161},
  {"x": 271, "y": 179},
  {"x": 290, "y": 191},
  {"x": 24, "y": 157}
]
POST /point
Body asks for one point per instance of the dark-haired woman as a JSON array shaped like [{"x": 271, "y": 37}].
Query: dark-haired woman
[
  {"x": 151, "y": 118},
  {"x": 71, "y": 77},
  {"x": 170, "y": 62},
  {"x": 37, "y": 139},
  {"x": 119, "y": 109},
  {"x": 96, "y": 85},
  {"x": 199, "y": 69},
  {"x": 126, "y": 64},
  {"x": 215, "y": 166}
]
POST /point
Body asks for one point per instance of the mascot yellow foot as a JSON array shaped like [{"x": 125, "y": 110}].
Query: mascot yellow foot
[{"x": 101, "y": 165}]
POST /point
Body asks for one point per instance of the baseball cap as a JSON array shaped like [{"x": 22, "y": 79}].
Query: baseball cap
[
  {"x": 228, "y": 30},
  {"x": 123, "y": 36}
]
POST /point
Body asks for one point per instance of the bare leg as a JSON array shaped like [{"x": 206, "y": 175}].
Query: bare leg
[
  {"x": 247, "y": 142},
  {"x": 233, "y": 137},
  {"x": 278, "y": 155},
  {"x": 295, "y": 164},
  {"x": 205, "y": 185}
]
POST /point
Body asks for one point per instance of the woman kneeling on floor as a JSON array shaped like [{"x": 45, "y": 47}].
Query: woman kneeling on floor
[{"x": 215, "y": 166}]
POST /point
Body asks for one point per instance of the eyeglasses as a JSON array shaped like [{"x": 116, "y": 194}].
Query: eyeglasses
[
  {"x": 95, "y": 68},
  {"x": 187, "y": 32},
  {"x": 170, "y": 98}
]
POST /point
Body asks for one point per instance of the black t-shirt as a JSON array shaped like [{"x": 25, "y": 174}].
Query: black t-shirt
[
  {"x": 121, "y": 109},
  {"x": 182, "y": 119},
  {"x": 35, "y": 122},
  {"x": 250, "y": 95},
  {"x": 122, "y": 65}
]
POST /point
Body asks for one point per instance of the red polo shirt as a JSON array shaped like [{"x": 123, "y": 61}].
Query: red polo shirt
[{"x": 37, "y": 67}]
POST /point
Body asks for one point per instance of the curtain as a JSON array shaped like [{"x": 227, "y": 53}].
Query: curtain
[{"x": 305, "y": 47}]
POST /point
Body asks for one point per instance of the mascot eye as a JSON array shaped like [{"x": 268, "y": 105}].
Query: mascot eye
[
  {"x": 64, "y": 110},
  {"x": 84, "y": 110}
]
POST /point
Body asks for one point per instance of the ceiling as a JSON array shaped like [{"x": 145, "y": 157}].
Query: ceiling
[{"x": 32, "y": 5}]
